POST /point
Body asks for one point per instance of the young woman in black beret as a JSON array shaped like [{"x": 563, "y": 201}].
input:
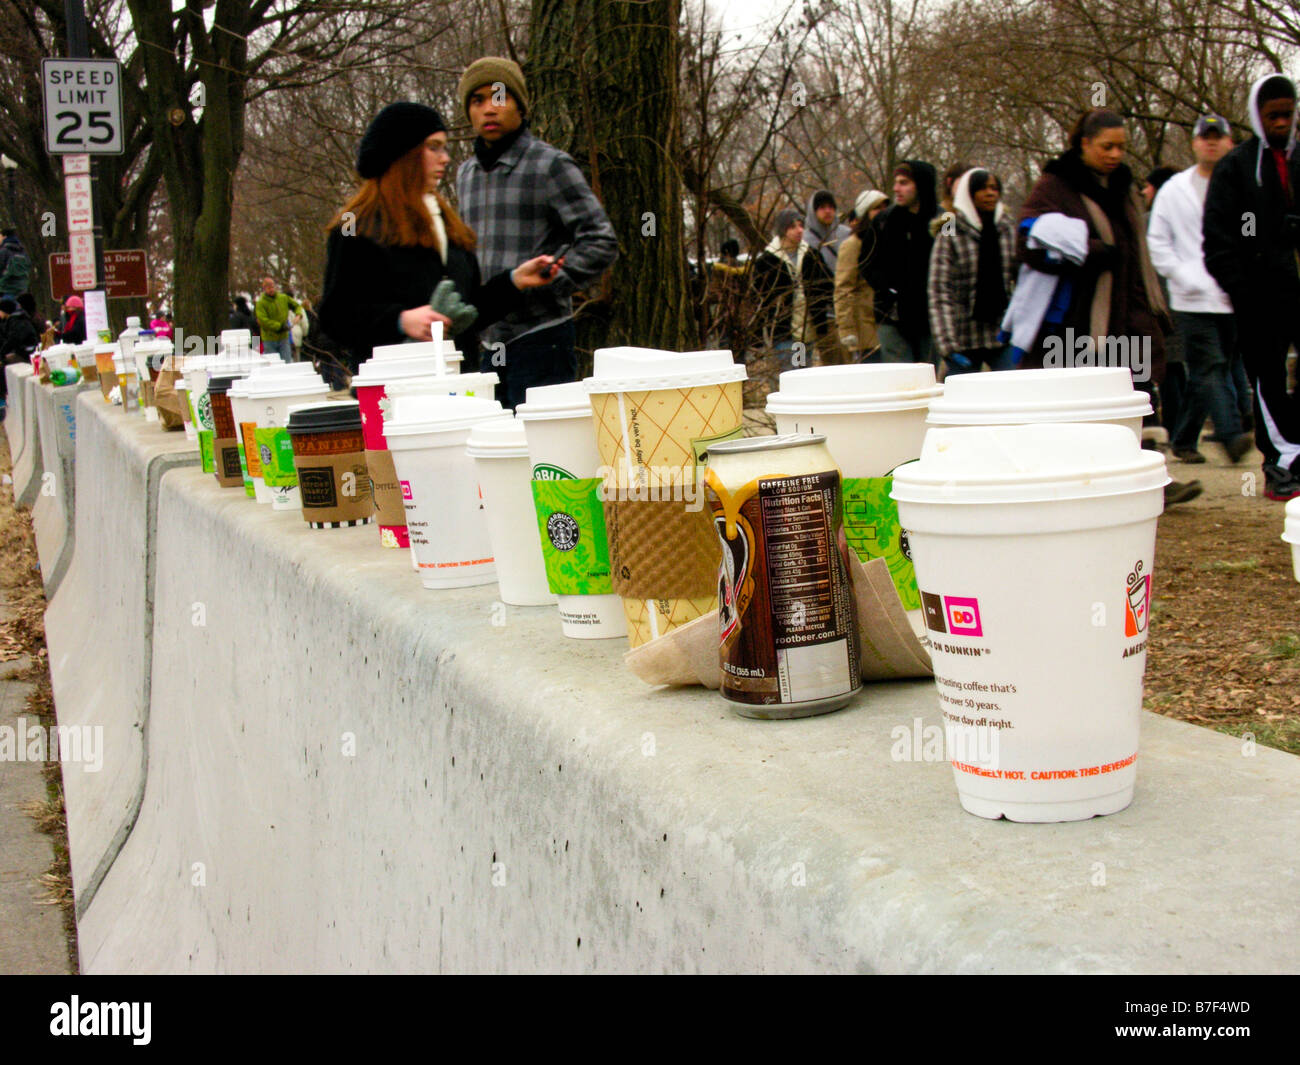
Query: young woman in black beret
[{"x": 396, "y": 238}]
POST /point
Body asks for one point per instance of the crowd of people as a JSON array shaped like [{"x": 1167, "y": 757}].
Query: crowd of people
[{"x": 1183, "y": 279}]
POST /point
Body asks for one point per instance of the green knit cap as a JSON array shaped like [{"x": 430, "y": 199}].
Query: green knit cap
[{"x": 488, "y": 71}]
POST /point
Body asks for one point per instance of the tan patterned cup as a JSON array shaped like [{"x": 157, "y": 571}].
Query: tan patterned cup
[{"x": 656, "y": 413}]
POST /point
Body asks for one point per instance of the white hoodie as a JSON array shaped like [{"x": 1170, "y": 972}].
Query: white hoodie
[{"x": 1174, "y": 238}]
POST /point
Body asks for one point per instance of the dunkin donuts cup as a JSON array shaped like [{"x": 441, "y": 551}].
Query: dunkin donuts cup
[
  {"x": 656, "y": 413},
  {"x": 389, "y": 366},
  {"x": 1034, "y": 547},
  {"x": 225, "y": 437},
  {"x": 444, "y": 511},
  {"x": 500, "y": 453},
  {"x": 1291, "y": 533},
  {"x": 566, "y": 489},
  {"x": 873, "y": 418},
  {"x": 268, "y": 395},
  {"x": 242, "y": 412},
  {"x": 331, "y": 464},
  {"x": 1024, "y": 397}
]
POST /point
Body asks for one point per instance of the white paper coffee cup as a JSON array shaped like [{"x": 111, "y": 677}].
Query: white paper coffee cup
[
  {"x": 500, "y": 452},
  {"x": 1023, "y": 397},
  {"x": 873, "y": 416},
  {"x": 444, "y": 514},
  {"x": 1034, "y": 547},
  {"x": 1291, "y": 533},
  {"x": 261, "y": 411},
  {"x": 560, "y": 431}
]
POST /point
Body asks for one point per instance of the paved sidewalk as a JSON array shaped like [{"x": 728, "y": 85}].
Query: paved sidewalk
[{"x": 32, "y": 939}]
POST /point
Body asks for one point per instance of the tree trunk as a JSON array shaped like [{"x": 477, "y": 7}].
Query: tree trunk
[
  {"x": 602, "y": 82},
  {"x": 198, "y": 158}
]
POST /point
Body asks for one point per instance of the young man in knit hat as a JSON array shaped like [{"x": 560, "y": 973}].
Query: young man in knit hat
[
  {"x": 823, "y": 235},
  {"x": 523, "y": 198},
  {"x": 1251, "y": 232}
]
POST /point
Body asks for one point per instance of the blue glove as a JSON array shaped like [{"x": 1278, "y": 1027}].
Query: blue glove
[{"x": 959, "y": 360}]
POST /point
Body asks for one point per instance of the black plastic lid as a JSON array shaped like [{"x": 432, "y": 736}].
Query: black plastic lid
[
  {"x": 325, "y": 418},
  {"x": 221, "y": 385}
]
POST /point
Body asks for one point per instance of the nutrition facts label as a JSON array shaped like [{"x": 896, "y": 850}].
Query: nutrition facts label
[{"x": 798, "y": 515}]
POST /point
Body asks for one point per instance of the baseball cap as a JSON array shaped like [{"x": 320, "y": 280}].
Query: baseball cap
[{"x": 1211, "y": 123}]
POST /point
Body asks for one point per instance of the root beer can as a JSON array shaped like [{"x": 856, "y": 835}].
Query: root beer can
[{"x": 787, "y": 619}]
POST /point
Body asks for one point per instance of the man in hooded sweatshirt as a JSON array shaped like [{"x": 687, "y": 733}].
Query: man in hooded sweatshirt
[
  {"x": 898, "y": 268},
  {"x": 1251, "y": 231},
  {"x": 15, "y": 264},
  {"x": 972, "y": 272},
  {"x": 823, "y": 235}
]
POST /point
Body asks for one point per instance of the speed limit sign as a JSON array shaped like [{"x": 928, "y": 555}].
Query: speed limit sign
[{"x": 83, "y": 106}]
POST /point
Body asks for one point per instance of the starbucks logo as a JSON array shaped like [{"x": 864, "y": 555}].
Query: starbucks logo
[
  {"x": 205, "y": 411},
  {"x": 904, "y": 544},
  {"x": 264, "y": 451},
  {"x": 563, "y": 531}
]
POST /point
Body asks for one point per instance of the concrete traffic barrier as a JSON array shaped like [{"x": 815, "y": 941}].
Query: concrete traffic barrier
[
  {"x": 98, "y": 625},
  {"x": 56, "y": 423},
  {"x": 27, "y": 466},
  {"x": 347, "y": 772},
  {"x": 15, "y": 402}
]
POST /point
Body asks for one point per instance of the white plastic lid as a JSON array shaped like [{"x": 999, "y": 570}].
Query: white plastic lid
[
  {"x": 502, "y": 438},
  {"x": 227, "y": 335},
  {"x": 133, "y": 322},
  {"x": 638, "y": 369},
  {"x": 1291, "y": 528},
  {"x": 457, "y": 384},
  {"x": 382, "y": 371},
  {"x": 552, "y": 402},
  {"x": 267, "y": 382},
  {"x": 1028, "y": 463},
  {"x": 414, "y": 414},
  {"x": 1077, "y": 394},
  {"x": 849, "y": 389}
]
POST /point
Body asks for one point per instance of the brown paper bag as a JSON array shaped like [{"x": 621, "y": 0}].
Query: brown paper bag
[{"x": 168, "y": 399}]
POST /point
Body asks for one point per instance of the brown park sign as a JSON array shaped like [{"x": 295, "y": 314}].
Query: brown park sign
[{"x": 126, "y": 275}]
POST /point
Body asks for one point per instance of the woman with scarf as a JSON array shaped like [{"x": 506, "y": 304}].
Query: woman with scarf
[
  {"x": 393, "y": 242},
  {"x": 972, "y": 273},
  {"x": 74, "y": 321},
  {"x": 1108, "y": 307},
  {"x": 1114, "y": 293}
]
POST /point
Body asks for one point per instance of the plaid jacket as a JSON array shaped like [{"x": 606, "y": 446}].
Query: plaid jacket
[
  {"x": 533, "y": 201},
  {"x": 954, "y": 263}
]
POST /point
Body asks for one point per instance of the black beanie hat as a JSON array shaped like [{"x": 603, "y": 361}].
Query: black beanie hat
[
  {"x": 8, "y": 304},
  {"x": 395, "y": 131},
  {"x": 822, "y": 198}
]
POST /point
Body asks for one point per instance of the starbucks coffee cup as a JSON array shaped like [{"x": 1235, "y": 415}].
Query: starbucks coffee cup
[
  {"x": 330, "y": 461},
  {"x": 1034, "y": 547},
  {"x": 268, "y": 394},
  {"x": 873, "y": 416},
  {"x": 199, "y": 427},
  {"x": 656, "y": 413},
  {"x": 1291, "y": 533},
  {"x": 566, "y": 485},
  {"x": 1023, "y": 397},
  {"x": 444, "y": 512},
  {"x": 500, "y": 453},
  {"x": 261, "y": 401}
]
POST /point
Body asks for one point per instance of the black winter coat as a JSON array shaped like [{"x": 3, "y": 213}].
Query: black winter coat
[
  {"x": 1257, "y": 267},
  {"x": 18, "y": 338},
  {"x": 897, "y": 263},
  {"x": 368, "y": 285}
]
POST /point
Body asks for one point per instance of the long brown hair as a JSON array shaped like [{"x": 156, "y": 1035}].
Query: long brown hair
[{"x": 390, "y": 209}]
